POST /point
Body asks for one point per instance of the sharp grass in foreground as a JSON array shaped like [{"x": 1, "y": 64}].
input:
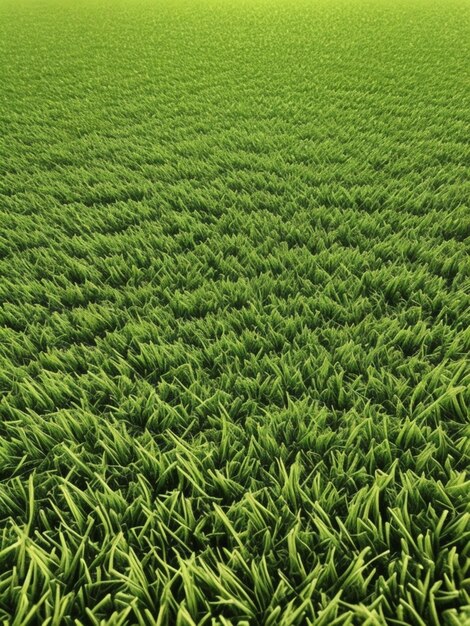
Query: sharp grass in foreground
[{"x": 234, "y": 325}]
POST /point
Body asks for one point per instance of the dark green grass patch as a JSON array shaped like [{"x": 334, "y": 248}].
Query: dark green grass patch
[{"x": 234, "y": 323}]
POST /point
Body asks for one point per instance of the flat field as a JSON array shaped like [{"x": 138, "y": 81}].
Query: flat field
[{"x": 234, "y": 319}]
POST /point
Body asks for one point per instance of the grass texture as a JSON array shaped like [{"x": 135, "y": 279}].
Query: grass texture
[{"x": 234, "y": 313}]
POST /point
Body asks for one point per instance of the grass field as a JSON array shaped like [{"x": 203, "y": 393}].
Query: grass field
[{"x": 234, "y": 323}]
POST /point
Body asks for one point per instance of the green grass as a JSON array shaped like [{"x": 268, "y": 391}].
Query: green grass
[{"x": 234, "y": 319}]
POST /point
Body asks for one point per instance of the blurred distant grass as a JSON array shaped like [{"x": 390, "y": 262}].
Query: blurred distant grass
[{"x": 234, "y": 323}]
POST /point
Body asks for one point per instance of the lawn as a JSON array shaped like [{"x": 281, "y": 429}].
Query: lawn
[{"x": 234, "y": 321}]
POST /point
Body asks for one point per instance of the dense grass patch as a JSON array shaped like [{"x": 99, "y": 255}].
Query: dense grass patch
[{"x": 234, "y": 318}]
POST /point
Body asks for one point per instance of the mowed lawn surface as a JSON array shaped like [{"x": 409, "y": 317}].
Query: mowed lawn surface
[{"x": 234, "y": 313}]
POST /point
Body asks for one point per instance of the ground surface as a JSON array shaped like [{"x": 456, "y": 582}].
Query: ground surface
[{"x": 234, "y": 316}]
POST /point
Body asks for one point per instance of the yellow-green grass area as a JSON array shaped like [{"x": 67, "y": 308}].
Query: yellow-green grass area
[{"x": 234, "y": 321}]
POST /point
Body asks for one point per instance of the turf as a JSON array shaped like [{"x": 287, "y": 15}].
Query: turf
[{"x": 235, "y": 318}]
